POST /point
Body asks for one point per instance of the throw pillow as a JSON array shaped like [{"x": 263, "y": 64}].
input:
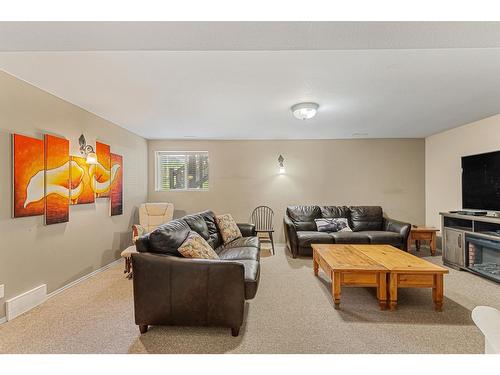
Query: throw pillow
[
  {"x": 227, "y": 228},
  {"x": 333, "y": 225},
  {"x": 195, "y": 246}
]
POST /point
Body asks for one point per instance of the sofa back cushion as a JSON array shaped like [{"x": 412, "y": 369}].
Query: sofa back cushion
[
  {"x": 303, "y": 216},
  {"x": 214, "y": 238},
  {"x": 335, "y": 212},
  {"x": 197, "y": 224},
  {"x": 142, "y": 243},
  {"x": 366, "y": 218},
  {"x": 167, "y": 238}
]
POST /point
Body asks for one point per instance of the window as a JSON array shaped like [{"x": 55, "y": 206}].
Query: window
[{"x": 181, "y": 170}]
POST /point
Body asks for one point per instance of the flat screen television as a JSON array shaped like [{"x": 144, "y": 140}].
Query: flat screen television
[{"x": 481, "y": 181}]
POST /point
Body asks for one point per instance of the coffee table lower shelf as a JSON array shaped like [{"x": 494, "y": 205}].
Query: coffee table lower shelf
[{"x": 403, "y": 279}]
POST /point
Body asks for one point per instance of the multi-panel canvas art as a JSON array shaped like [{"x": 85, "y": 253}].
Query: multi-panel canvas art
[
  {"x": 56, "y": 180},
  {"x": 46, "y": 180},
  {"x": 80, "y": 185},
  {"x": 28, "y": 176},
  {"x": 102, "y": 170},
  {"x": 116, "y": 190}
]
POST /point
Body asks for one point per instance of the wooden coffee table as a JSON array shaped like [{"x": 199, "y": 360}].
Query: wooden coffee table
[
  {"x": 407, "y": 271},
  {"x": 371, "y": 265},
  {"x": 347, "y": 267}
]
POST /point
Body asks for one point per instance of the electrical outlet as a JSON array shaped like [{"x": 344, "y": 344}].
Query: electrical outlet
[{"x": 2, "y": 291}]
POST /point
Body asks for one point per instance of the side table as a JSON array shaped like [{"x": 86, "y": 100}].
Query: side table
[
  {"x": 127, "y": 255},
  {"x": 418, "y": 234}
]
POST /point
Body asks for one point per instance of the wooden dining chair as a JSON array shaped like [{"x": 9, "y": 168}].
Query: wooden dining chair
[{"x": 262, "y": 218}]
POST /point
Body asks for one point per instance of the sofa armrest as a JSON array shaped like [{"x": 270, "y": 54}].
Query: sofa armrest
[
  {"x": 182, "y": 291},
  {"x": 247, "y": 230},
  {"x": 400, "y": 227},
  {"x": 290, "y": 235}
]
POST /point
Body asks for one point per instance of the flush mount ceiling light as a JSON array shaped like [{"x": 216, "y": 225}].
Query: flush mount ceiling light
[{"x": 304, "y": 111}]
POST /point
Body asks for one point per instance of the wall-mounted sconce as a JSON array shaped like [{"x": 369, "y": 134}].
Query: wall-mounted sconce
[
  {"x": 280, "y": 162},
  {"x": 87, "y": 151}
]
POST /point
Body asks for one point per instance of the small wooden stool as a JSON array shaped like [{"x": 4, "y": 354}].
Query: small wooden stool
[
  {"x": 418, "y": 234},
  {"x": 127, "y": 254}
]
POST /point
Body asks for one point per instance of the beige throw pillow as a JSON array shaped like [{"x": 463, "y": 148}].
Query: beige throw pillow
[
  {"x": 195, "y": 246},
  {"x": 227, "y": 228}
]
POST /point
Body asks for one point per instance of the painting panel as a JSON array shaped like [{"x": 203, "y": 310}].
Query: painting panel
[
  {"x": 81, "y": 191},
  {"x": 28, "y": 176},
  {"x": 101, "y": 172},
  {"x": 116, "y": 185},
  {"x": 56, "y": 180}
]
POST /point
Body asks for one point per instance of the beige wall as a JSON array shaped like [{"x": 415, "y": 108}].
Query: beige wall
[
  {"x": 32, "y": 253},
  {"x": 243, "y": 175},
  {"x": 443, "y": 152}
]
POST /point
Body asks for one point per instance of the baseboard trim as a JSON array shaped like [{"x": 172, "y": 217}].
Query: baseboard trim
[
  {"x": 24, "y": 302},
  {"x": 75, "y": 282},
  {"x": 83, "y": 278}
]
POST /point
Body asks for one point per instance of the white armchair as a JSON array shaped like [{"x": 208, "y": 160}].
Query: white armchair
[
  {"x": 487, "y": 319},
  {"x": 151, "y": 216}
]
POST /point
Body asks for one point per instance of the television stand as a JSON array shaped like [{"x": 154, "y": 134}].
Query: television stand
[{"x": 472, "y": 243}]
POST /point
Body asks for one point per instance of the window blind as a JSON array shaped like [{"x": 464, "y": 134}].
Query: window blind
[{"x": 181, "y": 170}]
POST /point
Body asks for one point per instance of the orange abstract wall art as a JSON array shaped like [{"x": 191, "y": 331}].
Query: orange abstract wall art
[
  {"x": 116, "y": 190},
  {"x": 46, "y": 180},
  {"x": 28, "y": 176},
  {"x": 57, "y": 186},
  {"x": 102, "y": 171},
  {"x": 80, "y": 185}
]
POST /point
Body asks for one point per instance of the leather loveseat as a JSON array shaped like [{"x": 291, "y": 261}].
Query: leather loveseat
[
  {"x": 368, "y": 225},
  {"x": 172, "y": 290}
]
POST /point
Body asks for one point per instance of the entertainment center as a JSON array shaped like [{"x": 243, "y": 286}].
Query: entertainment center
[
  {"x": 471, "y": 238},
  {"x": 472, "y": 243}
]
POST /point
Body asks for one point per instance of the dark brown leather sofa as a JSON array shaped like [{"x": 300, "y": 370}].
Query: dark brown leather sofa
[
  {"x": 368, "y": 225},
  {"x": 172, "y": 290}
]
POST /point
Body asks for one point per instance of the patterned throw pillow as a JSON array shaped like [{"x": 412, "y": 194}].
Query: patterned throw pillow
[
  {"x": 195, "y": 246},
  {"x": 227, "y": 228},
  {"x": 333, "y": 225}
]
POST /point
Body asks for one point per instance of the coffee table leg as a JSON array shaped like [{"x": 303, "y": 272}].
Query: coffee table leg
[
  {"x": 393, "y": 291},
  {"x": 336, "y": 289},
  {"x": 382, "y": 291},
  {"x": 315, "y": 266},
  {"x": 437, "y": 292}
]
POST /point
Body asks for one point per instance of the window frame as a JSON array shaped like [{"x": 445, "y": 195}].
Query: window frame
[{"x": 185, "y": 153}]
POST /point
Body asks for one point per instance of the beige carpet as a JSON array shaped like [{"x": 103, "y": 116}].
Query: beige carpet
[{"x": 292, "y": 313}]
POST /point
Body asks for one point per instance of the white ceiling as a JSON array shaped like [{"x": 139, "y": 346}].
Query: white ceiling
[{"x": 409, "y": 84}]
